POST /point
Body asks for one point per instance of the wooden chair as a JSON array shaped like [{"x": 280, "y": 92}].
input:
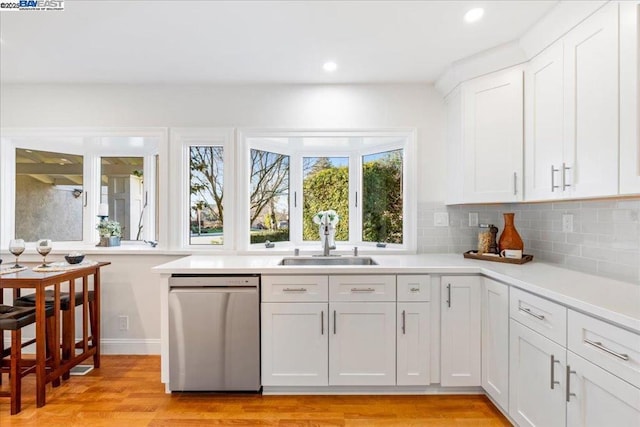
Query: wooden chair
[{"x": 14, "y": 319}]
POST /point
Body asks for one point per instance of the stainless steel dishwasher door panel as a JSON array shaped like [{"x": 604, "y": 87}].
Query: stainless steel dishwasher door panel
[{"x": 214, "y": 342}]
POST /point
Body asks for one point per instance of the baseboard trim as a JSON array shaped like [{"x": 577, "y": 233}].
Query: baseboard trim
[
  {"x": 130, "y": 346},
  {"x": 113, "y": 346},
  {"x": 418, "y": 390}
]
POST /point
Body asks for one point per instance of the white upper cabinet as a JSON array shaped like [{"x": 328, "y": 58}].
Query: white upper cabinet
[
  {"x": 571, "y": 113},
  {"x": 544, "y": 112},
  {"x": 493, "y": 137},
  {"x": 629, "y": 94},
  {"x": 591, "y": 105}
]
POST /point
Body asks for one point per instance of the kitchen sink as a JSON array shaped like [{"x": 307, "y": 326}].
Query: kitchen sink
[{"x": 330, "y": 260}]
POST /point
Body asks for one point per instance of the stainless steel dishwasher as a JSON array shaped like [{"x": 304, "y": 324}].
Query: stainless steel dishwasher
[{"x": 214, "y": 333}]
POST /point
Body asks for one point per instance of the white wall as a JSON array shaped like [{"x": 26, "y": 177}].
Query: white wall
[
  {"x": 264, "y": 106},
  {"x": 129, "y": 287}
]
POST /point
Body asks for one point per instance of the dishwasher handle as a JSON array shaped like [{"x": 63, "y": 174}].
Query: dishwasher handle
[{"x": 216, "y": 289}]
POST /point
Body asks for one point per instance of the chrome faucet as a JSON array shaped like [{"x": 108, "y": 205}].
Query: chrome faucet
[{"x": 326, "y": 249}]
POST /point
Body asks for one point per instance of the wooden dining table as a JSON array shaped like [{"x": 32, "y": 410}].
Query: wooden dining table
[{"x": 40, "y": 282}]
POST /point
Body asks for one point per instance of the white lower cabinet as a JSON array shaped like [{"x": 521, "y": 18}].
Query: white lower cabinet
[
  {"x": 495, "y": 341},
  {"x": 295, "y": 343},
  {"x": 460, "y": 331},
  {"x": 362, "y": 340},
  {"x": 413, "y": 343},
  {"x": 599, "y": 398},
  {"x": 536, "y": 379}
]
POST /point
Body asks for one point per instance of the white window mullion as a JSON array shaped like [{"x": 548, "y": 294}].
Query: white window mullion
[
  {"x": 295, "y": 199},
  {"x": 90, "y": 193},
  {"x": 355, "y": 198}
]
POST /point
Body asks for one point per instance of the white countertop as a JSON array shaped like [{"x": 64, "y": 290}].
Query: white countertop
[{"x": 609, "y": 299}]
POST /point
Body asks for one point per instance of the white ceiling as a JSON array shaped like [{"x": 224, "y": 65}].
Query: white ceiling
[{"x": 179, "y": 41}]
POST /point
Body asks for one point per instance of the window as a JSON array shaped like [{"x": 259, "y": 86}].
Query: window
[
  {"x": 59, "y": 194},
  {"x": 122, "y": 193},
  {"x": 325, "y": 186},
  {"x": 269, "y": 197},
  {"x": 362, "y": 176},
  {"x": 206, "y": 223},
  {"x": 382, "y": 197},
  {"x": 203, "y": 210},
  {"x": 49, "y": 195}
]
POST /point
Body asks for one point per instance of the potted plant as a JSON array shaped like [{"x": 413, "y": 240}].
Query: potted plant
[{"x": 110, "y": 233}]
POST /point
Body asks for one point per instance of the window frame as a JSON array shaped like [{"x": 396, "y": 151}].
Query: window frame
[
  {"x": 92, "y": 144},
  {"x": 406, "y": 141},
  {"x": 181, "y": 141}
]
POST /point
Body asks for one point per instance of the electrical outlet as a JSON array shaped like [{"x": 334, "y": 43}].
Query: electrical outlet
[
  {"x": 441, "y": 219},
  {"x": 473, "y": 219},
  {"x": 123, "y": 321},
  {"x": 567, "y": 223}
]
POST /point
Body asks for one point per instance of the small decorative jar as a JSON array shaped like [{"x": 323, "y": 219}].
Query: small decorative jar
[{"x": 510, "y": 239}]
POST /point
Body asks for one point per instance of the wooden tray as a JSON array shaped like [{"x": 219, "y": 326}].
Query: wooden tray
[{"x": 474, "y": 255}]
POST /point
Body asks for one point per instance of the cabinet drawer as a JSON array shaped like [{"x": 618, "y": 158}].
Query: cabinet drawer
[
  {"x": 414, "y": 287},
  {"x": 295, "y": 288},
  {"x": 541, "y": 315},
  {"x": 362, "y": 288},
  {"x": 610, "y": 347}
]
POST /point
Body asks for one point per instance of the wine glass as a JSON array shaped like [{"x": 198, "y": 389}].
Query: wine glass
[
  {"x": 43, "y": 246},
  {"x": 16, "y": 247}
]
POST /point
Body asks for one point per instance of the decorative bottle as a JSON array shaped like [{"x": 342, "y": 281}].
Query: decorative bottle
[{"x": 510, "y": 239}]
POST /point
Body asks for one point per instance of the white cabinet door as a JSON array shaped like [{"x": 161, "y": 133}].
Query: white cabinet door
[
  {"x": 413, "y": 343},
  {"x": 295, "y": 344},
  {"x": 598, "y": 398},
  {"x": 495, "y": 341},
  {"x": 460, "y": 331},
  {"x": 629, "y": 94},
  {"x": 493, "y": 137},
  {"x": 537, "y": 383},
  {"x": 362, "y": 343},
  {"x": 591, "y": 105},
  {"x": 544, "y": 80}
]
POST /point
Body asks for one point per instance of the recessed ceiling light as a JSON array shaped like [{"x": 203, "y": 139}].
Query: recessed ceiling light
[
  {"x": 330, "y": 66},
  {"x": 474, "y": 14}
]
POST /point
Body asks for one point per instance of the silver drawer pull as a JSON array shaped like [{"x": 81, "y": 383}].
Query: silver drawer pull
[
  {"x": 568, "y": 379},
  {"x": 599, "y": 345},
  {"x": 415, "y": 289},
  {"x": 362, "y": 290},
  {"x": 294, "y": 290},
  {"x": 531, "y": 313},
  {"x": 553, "y": 375}
]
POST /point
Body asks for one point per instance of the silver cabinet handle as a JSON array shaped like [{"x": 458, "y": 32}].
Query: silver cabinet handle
[
  {"x": 322, "y": 323},
  {"x": 86, "y": 199},
  {"x": 449, "y": 295},
  {"x": 553, "y": 179},
  {"x": 362, "y": 290},
  {"x": 515, "y": 183},
  {"x": 565, "y": 168},
  {"x": 553, "y": 375},
  {"x": 404, "y": 324},
  {"x": 415, "y": 289},
  {"x": 531, "y": 313},
  {"x": 569, "y": 394},
  {"x": 294, "y": 290},
  {"x": 600, "y": 346},
  {"x": 334, "y": 322}
]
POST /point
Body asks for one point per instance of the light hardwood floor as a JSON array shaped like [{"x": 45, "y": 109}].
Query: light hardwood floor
[{"x": 126, "y": 391}]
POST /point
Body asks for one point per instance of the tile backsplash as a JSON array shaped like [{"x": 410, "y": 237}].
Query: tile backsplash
[{"x": 605, "y": 239}]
